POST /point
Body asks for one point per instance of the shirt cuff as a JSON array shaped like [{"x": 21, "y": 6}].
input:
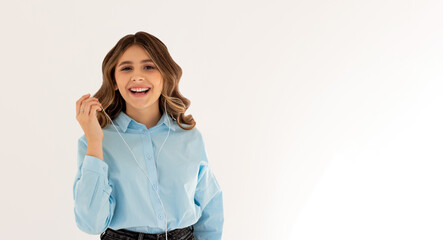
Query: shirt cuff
[{"x": 95, "y": 164}]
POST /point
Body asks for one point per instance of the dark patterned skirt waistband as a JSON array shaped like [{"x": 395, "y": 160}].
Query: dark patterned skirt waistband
[{"x": 124, "y": 234}]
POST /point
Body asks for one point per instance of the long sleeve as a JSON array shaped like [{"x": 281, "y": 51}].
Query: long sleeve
[
  {"x": 94, "y": 203},
  {"x": 209, "y": 198}
]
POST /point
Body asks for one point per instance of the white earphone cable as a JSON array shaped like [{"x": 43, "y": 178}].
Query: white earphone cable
[{"x": 155, "y": 189}]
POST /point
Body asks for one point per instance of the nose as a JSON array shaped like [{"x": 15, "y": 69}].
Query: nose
[{"x": 137, "y": 78}]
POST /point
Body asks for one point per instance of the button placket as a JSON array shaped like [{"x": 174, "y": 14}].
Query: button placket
[{"x": 153, "y": 172}]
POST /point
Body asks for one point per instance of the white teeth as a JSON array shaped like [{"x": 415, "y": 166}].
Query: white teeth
[{"x": 139, "y": 89}]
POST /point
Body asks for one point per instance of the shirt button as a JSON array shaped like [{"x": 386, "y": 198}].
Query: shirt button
[
  {"x": 160, "y": 217},
  {"x": 148, "y": 155}
]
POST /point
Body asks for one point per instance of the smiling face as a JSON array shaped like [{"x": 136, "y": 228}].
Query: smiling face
[{"x": 135, "y": 69}]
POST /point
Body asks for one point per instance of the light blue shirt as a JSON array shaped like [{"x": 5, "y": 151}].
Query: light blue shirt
[{"x": 115, "y": 193}]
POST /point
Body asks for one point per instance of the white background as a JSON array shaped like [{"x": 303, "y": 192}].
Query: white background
[{"x": 322, "y": 119}]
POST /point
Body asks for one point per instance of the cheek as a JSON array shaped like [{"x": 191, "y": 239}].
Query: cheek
[
  {"x": 120, "y": 80},
  {"x": 159, "y": 84},
  {"x": 157, "y": 91},
  {"x": 117, "y": 79}
]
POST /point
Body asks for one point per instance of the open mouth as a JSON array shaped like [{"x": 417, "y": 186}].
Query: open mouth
[{"x": 139, "y": 93}]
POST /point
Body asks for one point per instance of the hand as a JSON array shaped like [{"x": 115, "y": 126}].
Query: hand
[{"x": 87, "y": 117}]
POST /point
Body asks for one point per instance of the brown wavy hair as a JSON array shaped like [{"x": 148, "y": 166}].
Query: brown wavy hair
[{"x": 113, "y": 102}]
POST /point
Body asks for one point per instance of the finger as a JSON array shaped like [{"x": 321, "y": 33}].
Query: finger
[
  {"x": 86, "y": 106},
  {"x": 84, "y": 100},
  {"x": 79, "y": 101},
  {"x": 91, "y": 107},
  {"x": 90, "y": 100},
  {"x": 85, "y": 103},
  {"x": 94, "y": 105},
  {"x": 95, "y": 108}
]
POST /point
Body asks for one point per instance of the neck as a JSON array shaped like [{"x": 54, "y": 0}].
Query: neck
[{"x": 148, "y": 116}]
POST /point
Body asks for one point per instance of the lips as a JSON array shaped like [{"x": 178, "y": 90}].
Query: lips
[
  {"x": 140, "y": 94},
  {"x": 139, "y": 86},
  {"x": 133, "y": 91}
]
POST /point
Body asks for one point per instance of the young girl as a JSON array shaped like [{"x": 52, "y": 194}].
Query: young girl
[{"x": 143, "y": 171}]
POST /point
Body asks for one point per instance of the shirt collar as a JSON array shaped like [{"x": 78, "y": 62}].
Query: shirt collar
[{"x": 124, "y": 122}]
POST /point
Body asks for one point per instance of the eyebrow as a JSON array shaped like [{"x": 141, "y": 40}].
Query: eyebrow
[{"x": 129, "y": 62}]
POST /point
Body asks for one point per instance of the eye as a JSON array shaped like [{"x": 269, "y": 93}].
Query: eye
[{"x": 128, "y": 68}]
